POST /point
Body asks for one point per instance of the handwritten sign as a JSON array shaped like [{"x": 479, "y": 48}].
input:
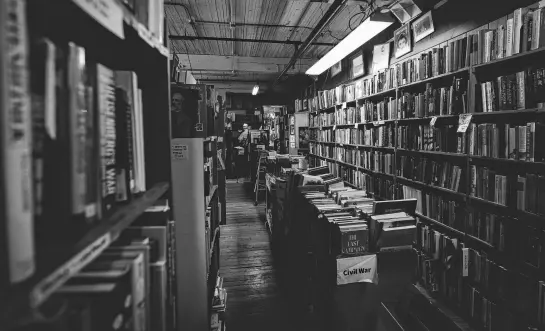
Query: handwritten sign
[
  {"x": 179, "y": 152},
  {"x": 107, "y": 13},
  {"x": 463, "y": 122},
  {"x": 357, "y": 269}
]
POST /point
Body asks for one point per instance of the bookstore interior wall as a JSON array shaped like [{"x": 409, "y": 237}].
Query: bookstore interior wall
[{"x": 458, "y": 124}]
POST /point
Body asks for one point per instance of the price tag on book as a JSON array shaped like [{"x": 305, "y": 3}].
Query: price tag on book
[
  {"x": 433, "y": 120},
  {"x": 108, "y": 13},
  {"x": 463, "y": 122}
]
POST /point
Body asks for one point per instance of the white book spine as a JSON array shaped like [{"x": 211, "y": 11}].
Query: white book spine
[
  {"x": 16, "y": 140},
  {"x": 509, "y": 38},
  {"x": 501, "y": 42},
  {"x": 517, "y": 29}
]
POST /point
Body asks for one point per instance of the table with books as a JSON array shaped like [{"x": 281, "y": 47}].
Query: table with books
[{"x": 335, "y": 236}]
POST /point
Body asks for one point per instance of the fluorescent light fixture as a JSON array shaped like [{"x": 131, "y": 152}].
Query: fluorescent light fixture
[
  {"x": 362, "y": 34},
  {"x": 255, "y": 90}
]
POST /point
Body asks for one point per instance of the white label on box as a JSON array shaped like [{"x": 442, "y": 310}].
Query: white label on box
[
  {"x": 357, "y": 269},
  {"x": 463, "y": 122},
  {"x": 179, "y": 151},
  {"x": 107, "y": 13}
]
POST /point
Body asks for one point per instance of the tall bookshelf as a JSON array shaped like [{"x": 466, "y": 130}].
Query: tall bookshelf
[
  {"x": 499, "y": 223},
  {"x": 107, "y": 36},
  {"x": 199, "y": 206}
]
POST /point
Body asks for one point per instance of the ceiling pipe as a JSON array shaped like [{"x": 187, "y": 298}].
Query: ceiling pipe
[
  {"x": 331, "y": 13},
  {"x": 291, "y": 42}
]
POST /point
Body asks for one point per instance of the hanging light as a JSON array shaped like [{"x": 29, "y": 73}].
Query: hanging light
[
  {"x": 256, "y": 89},
  {"x": 355, "y": 39}
]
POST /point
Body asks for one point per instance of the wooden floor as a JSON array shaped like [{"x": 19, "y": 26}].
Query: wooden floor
[{"x": 254, "y": 299}]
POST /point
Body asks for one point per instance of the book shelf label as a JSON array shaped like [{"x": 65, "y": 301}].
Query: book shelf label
[
  {"x": 54, "y": 281},
  {"x": 107, "y": 13},
  {"x": 432, "y": 121},
  {"x": 463, "y": 122},
  {"x": 357, "y": 269},
  {"x": 179, "y": 151}
]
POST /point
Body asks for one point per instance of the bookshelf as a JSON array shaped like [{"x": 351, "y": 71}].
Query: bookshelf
[
  {"x": 470, "y": 211},
  {"x": 76, "y": 58}
]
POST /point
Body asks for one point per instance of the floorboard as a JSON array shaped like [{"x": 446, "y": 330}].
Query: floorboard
[{"x": 254, "y": 299}]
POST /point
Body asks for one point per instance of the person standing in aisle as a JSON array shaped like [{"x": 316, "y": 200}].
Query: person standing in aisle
[
  {"x": 244, "y": 142},
  {"x": 182, "y": 126}
]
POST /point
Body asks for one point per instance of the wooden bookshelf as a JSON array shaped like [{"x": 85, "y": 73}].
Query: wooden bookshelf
[
  {"x": 52, "y": 274},
  {"x": 511, "y": 167}
]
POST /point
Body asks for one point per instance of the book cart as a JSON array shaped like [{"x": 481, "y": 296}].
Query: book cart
[
  {"x": 84, "y": 50},
  {"x": 475, "y": 162}
]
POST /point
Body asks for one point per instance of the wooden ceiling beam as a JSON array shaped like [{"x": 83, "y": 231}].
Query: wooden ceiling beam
[{"x": 240, "y": 63}]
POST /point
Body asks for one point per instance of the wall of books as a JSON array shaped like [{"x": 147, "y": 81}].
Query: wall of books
[
  {"x": 459, "y": 127},
  {"x": 86, "y": 233}
]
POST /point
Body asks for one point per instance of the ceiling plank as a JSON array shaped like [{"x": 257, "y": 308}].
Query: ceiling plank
[{"x": 241, "y": 63}]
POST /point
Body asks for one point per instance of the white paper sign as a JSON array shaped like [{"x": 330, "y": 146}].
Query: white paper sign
[
  {"x": 433, "y": 120},
  {"x": 179, "y": 151},
  {"x": 463, "y": 122},
  {"x": 107, "y": 13},
  {"x": 357, "y": 269},
  {"x": 344, "y": 105}
]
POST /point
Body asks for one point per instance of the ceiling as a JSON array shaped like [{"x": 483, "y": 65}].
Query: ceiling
[{"x": 259, "y": 44}]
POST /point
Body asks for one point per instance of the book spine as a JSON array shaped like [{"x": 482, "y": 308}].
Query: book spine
[
  {"x": 78, "y": 130},
  {"x": 510, "y": 30},
  {"x": 16, "y": 135},
  {"x": 106, "y": 103}
]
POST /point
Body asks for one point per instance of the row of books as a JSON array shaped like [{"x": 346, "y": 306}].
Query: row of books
[
  {"x": 521, "y": 32},
  {"x": 432, "y": 172},
  {"x": 508, "y": 141},
  {"x": 377, "y": 111},
  {"x": 430, "y": 138},
  {"x": 435, "y": 62},
  {"x": 439, "y": 268},
  {"x": 128, "y": 287},
  {"x": 520, "y": 90},
  {"x": 77, "y": 152},
  {"x": 448, "y": 100},
  {"x": 219, "y": 307}
]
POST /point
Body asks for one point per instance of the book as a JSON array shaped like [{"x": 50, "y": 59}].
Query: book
[{"x": 17, "y": 249}]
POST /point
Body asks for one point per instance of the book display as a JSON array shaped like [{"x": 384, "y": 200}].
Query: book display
[
  {"x": 459, "y": 127},
  {"x": 86, "y": 227},
  {"x": 335, "y": 236}
]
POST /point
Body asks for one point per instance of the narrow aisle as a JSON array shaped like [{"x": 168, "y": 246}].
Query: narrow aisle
[{"x": 254, "y": 299}]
